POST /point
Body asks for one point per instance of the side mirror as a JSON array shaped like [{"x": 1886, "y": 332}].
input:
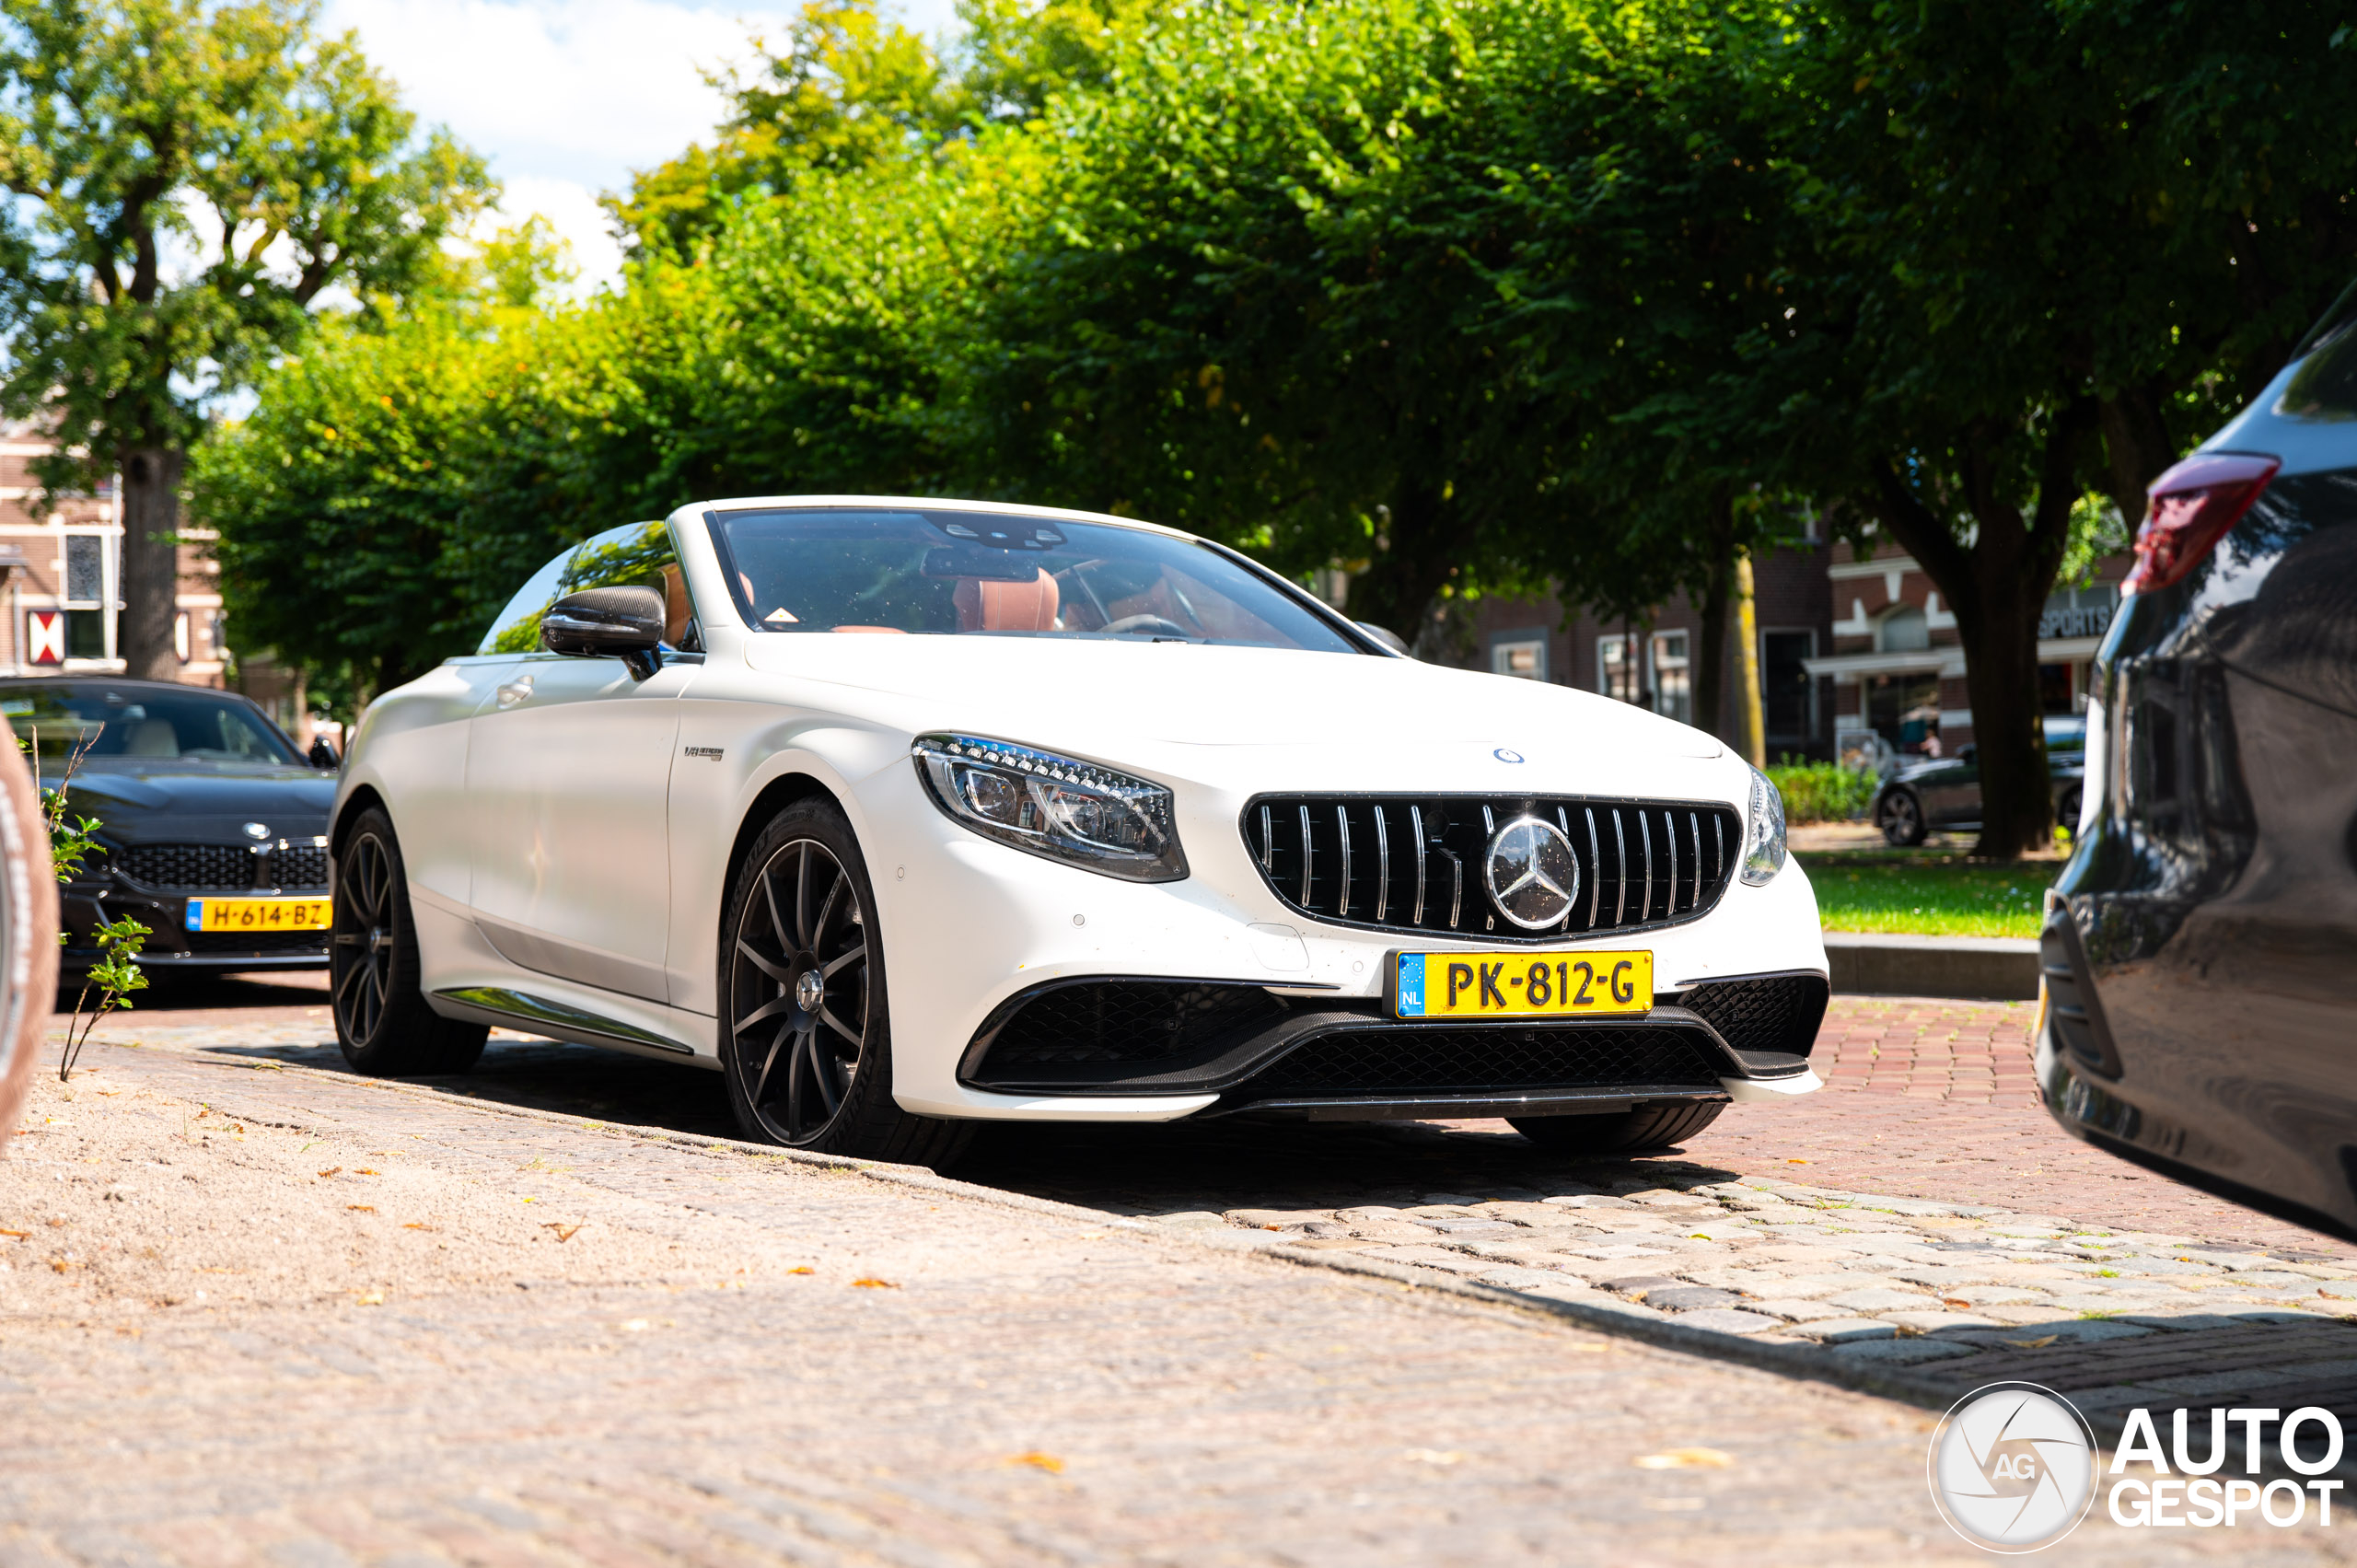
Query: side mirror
[
  {"x": 322, "y": 755},
  {"x": 1967, "y": 752},
  {"x": 608, "y": 623},
  {"x": 1383, "y": 634}
]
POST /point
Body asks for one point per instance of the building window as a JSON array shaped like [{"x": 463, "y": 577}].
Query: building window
[
  {"x": 1903, "y": 631},
  {"x": 1787, "y": 691},
  {"x": 1673, "y": 676},
  {"x": 1616, "y": 669},
  {"x": 86, "y": 568},
  {"x": 85, "y": 634},
  {"x": 1519, "y": 654}
]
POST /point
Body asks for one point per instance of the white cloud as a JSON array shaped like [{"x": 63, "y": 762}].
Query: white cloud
[{"x": 566, "y": 98}]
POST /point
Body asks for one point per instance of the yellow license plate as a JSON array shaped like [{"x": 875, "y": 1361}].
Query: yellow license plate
[
  {"x": 1520, "y": 985},
  {"x": 259, "y": 914}
]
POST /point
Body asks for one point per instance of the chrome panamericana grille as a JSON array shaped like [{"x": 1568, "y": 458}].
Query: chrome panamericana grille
[{"x": 1413, "y": 863}]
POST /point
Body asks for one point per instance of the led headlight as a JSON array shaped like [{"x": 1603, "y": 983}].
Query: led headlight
[
  {"x": 1763, "y": 844},
  {"x": 1076, "y": 812}
]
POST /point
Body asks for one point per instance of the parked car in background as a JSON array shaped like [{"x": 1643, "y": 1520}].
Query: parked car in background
[
  {"x": 909, "y": 814},
  {"x": 1945, "y": 792},
  {"x": 2201, "y": 947},
  {"x": 212, "y": 826}
]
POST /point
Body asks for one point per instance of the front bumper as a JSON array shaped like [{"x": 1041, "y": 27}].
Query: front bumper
[
  {"x": 973, "y": 927},
  {"x": 85, "y": 906}
]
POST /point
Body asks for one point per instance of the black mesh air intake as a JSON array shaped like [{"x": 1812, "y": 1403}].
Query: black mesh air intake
[
  {"x": 302, "y": 865},
  {"x": 1447, "y": 1061},
  {"x": 1410, "y": 863},
  {"x": 1779, "y": 1011},
  {"x": 1127, "y": 1020},
  {"x": 211, "y": 868}
]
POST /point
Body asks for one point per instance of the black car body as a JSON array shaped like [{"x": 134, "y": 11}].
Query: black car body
[
  {"x": 2200, "y": 946},
  {"x": 196, "y": 792},
  {"x": 1945, "y": 792}
]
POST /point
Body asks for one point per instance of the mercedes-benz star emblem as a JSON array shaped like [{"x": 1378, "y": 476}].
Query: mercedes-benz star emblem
[{"x": 1532, "y": 874}]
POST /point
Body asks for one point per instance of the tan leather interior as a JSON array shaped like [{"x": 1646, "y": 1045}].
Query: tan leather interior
[
  {"x": 676, "y": 608},
  {"x": 985, "y": 606},
  {"x": 152, "y": 738}
]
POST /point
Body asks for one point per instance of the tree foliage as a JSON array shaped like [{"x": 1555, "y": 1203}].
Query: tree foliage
[
  {"x": 190, "y": 179},
  {"x": 1459, "y": 296}
]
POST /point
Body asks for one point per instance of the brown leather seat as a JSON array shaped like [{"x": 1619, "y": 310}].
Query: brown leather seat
[{"x": 987, "y": 606}]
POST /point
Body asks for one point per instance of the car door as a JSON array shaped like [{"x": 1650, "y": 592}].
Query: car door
[
  {"x": 1951, "y": 790},
  {"x": 568, "y": 765}
]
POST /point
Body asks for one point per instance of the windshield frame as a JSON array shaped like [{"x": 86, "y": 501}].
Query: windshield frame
[{"x": 1330, "y": 618}]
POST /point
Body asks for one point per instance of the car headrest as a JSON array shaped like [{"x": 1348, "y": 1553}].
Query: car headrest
[{"x": 987, "y": 606}]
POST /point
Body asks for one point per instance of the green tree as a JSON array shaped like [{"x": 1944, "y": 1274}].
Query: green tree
[
  {"x": 848, "y": 90},
  {"x": 2045, "y": 245},
  {"x": 190, "y": 180}
]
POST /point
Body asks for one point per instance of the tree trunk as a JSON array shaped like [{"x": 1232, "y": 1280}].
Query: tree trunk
[
  {"x": 1710, "y": 668},
  {"x": 2137, "y": 448},
  {"x": 1427, "y": 538},
  {"x": 1754, "y": 725},
  {"x": 151, "y": 562},
  {"x": 1997, "y": 590}
]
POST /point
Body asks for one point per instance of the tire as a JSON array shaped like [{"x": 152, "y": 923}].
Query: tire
[
  {"x": 2066, "y": 811},
  {"x": 805, "y": 1039},
  {"x": 28, "y": 932},
  {"x": 1655, "y": 1127},
  {"x": 1900, "y": 816},
  {"x": 381, "y": 1018}
]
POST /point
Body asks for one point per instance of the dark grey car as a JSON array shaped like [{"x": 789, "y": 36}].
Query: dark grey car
[
  {"x": 1945, "y": 792},
  {"x": 196, "y": 793}
]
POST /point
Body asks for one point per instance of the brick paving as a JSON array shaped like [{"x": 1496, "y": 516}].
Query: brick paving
[
  {"x": 1031, "y": 1386},
  {"x": 1920, "y": 1226}
]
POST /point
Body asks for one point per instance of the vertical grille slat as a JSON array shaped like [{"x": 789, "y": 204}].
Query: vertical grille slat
[{"x": 1661, "y": 867}]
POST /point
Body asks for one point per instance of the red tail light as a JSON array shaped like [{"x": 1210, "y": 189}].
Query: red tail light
[{"x": 2193, "y": 507}]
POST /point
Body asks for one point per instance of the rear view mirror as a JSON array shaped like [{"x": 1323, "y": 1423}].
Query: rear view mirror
[
  {"x": 606, "y": 623},
  {"x": 1383, "y": 634},
  {"x": 990, "y": 565},
  {"x": 322, "y": 755}
]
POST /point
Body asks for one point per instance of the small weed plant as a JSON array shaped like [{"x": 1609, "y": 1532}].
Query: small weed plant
[{"x": 116, "y": 973}]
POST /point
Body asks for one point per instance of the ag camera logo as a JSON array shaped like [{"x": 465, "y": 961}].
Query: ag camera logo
[{"x": 2013, "y": 1466}]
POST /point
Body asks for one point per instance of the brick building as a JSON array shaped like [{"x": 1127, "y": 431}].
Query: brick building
[
  {"x": 1847, "y": 645},
  {"x": 64, "y": 566}
]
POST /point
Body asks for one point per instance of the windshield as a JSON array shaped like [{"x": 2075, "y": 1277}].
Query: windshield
[
  {"x": 140, "y": 724},
  {"x": 942, "y": 573}
]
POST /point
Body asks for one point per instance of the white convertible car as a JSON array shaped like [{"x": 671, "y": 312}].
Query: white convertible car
[{"x": 907, "y": 815}]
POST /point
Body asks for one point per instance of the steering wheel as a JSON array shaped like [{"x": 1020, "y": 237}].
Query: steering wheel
[{"x": 1150, "y": 625}]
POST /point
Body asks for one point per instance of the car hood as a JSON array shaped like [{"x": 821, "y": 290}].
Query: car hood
[
  {"x": 155, "y": 804},
  {"x": 1399, "y": 723}
]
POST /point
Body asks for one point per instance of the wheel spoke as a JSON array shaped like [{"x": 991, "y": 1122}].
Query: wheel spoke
[
  {"x": 802, "y": 897},
  {"x": 830, "y": 966},
  {"x": 768, "y": 898},
  {"x": 828, "y": 1017},
  {"x": 827, "y": 909},
  {"x": 769, "y": 1061},
  {"x": 822, "y": 1072},
  {"x": 767, "y": 1010},
  {"x": 775, "y": 971},
  {"x": 794, "y": 1084}
]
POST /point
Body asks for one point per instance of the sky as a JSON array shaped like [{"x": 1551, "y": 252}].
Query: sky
[{"x": 566, "y": 97}]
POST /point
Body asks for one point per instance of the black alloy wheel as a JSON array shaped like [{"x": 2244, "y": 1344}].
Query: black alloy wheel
[
  {"x": 1900, "y": 816},
  {"x": 804, "y": 1031},
  {"x": 2066, "y": 811},
  {"x": 382, "y": 1021}
]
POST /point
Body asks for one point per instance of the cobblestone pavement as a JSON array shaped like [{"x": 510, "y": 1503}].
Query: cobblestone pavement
[
  {"x": 650, "y": 1350},
  {"x": 1726, "y": 1247}
]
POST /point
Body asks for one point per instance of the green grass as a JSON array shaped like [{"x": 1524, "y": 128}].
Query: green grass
[{"x": 1913, "y": 893}]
